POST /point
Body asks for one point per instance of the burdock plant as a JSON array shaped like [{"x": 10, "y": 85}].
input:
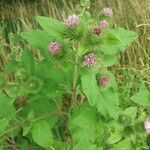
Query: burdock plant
[{"x": 66, "y": 97}]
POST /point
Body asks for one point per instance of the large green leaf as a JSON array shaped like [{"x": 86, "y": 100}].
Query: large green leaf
[
  {"x": 126, "y": 37},
  {"x": 109, "y": 60},
  {"x": 38, "y": 39},
  {"x": 131, "y": 112},
  {"x": 123, "y": 145},
  {"x": 114, "y": 138},
  {"x": 82, "y": 124},
  {"x": 106, "y": 101},
  {"x": 51, "y": 25},
  {"x": 7, "y": 109},
  {"x": 142, "y": 98},
  {"x": 42, "y": 134},
  {"x": 118, "y": 40}
]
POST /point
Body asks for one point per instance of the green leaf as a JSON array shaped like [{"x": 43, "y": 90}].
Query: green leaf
[
  {"x": 123, "y": 145},
  {"x": 131, "y": 112},
  {"x": 82, "y": 124},
  {"x": 105, "y": 101},
  {"x": 126, "y": 37},
  {"x": 38, "y": 39},
  {"x": 40, "y": 104},
  {"x": 34, "y": 85},
  {"x": 28, "y": 60},
  {"x": 118, "y": 40},
  {"x": 84, "y": 117},
  {"x": 6, "y": 107},
  {"x": 109, "y": 60},
  {"x": 26, "y": 127},
  {"x": 114, "y": 138},
  {"x": 54, "y": 27},
  {"x": 142, "y": 98},
  {"x": 42, "y": 134}
]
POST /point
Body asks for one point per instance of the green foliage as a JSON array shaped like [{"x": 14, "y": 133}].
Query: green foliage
[
  {"x": 83, "y": 124},
  {"x": 105, "y": 101},
  {"x": 7, "y": 110},
  {"x": 38, "y": 39},
  {"x": 56, "y": 100},
  {"x": 52, "y": 26},
  {"x": 42, "y": 134},
  {"x": 142, "y": 98},
  {"x": 118, "y": 40}
]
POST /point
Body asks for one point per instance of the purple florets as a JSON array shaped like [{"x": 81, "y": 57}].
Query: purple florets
[
  {"x": 104, "y": 81},
  {"x": 107, "y": 12},
  {"x": 72, "y": 21},
  {"x": 147, "y": 126},
  {"x": 90, "y": 60},
  {"x": 54, "y": 48},
  {"x": 104, "y": 24}
]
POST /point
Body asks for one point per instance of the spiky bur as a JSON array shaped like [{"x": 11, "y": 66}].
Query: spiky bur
[
  {"x": 107, "y": 12},
  {"x": 104, "y": 81},
  {"x": 90, "y": 60},
  {"x": 103, "y": 24},
  {"x": 147, "y": 126},
  {"x": 72, "y": 21},
  {"x": 54, "y": 48},
  {"x": 97, "y": 31}
]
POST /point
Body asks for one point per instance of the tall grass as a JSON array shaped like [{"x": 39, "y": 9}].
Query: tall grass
[{"x": 131, "y": 14}]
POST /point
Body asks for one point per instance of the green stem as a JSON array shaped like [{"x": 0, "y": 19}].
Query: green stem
[{"x": 75, "y": 77}]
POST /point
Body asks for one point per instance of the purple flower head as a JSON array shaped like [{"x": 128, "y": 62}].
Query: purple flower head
[
  {"x": 147, "y": 126},
  {"x": 90, "y": 60},
  {"x": 107, "y": 12},
  {"x": 72, "y": 21},
  {"x": 104, "y": 81},
  {"x": 104, "y": 24},
  {"x": 54, "y": 48}
]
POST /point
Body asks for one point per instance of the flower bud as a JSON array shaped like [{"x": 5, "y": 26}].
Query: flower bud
[
  {"x": 55, "y": 48},
  {"x": 90, "y": 60},
  {"x": 72, "y": 21},
  {"x": 147, "y": 126},
  {"x": 104, "y": 24},
  {"x": 104, "y": 81},
  {"x": 97, "y": 31},
  {"x": 107, "y": 12}
]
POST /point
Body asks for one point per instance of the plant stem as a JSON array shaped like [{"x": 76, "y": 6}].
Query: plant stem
[{"x": 75, "y": 77}]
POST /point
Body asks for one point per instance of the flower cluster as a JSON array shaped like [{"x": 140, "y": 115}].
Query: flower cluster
[
  {"x": 103, "y": 24},
  {"x": 90, "y": 60},
  {"x": 54, "y": 48},
  {"x": 104, "y": 81},
  {"x": 72, "y": 21},
  {"x": 107, "y": 12}
]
